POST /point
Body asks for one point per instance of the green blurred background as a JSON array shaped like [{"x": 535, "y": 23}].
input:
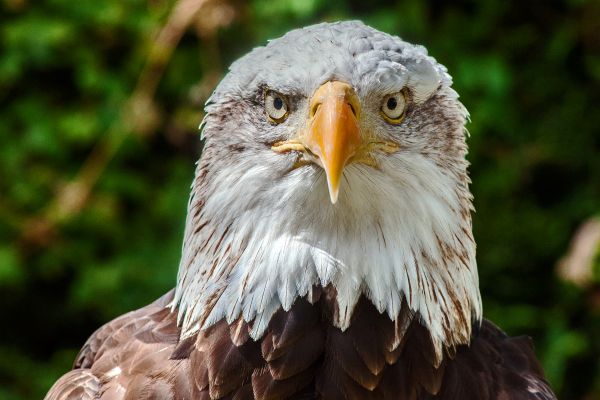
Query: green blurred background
[{"x": 99, "y": 107}]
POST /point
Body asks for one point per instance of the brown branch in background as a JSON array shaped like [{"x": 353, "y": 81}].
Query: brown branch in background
[
  {"x": 577, "y": 265},
  {"x": 139, "y": 114}
]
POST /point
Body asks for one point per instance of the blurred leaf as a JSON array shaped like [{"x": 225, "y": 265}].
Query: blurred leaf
[{"x": 11, "y": 272}]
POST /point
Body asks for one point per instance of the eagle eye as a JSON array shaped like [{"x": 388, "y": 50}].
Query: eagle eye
[
  {"x": 276, "y": 106},
  {"x": 393, "y": 107}
]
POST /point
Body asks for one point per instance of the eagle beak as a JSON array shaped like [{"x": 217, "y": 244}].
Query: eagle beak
[{"x": 333, "y": 134}]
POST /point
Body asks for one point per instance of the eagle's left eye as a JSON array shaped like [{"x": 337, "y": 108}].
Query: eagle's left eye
[
  {"x": 276, "y": 106},
  {"x": 393, "y": 107}
]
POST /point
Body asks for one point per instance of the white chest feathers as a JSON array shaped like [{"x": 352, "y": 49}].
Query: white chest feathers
[{"x": 250, "y": 254}]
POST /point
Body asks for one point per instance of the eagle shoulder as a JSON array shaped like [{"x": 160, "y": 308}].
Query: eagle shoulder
[
  {"x": 127, "y": 358},
  {"x": 495, "y": 366}
]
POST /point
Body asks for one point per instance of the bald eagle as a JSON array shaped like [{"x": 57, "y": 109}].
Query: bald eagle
[{"x": 328, "y": 249}]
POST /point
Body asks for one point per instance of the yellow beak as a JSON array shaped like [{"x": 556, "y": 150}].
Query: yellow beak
[{"x": 333, "y": 133}]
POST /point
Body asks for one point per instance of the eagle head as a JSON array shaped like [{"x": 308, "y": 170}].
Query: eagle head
[{"x": 334, "y": 157}]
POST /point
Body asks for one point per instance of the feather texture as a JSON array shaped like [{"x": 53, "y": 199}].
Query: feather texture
[{"x": 301, "y": 356}]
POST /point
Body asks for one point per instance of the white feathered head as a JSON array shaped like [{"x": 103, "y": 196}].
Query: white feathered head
[{"x": 334, "y": 156}]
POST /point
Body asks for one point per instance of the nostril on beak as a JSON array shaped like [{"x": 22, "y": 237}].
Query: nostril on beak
[
  {"x": 353, "y": 110},
  {"x": 314, "y": 109}
]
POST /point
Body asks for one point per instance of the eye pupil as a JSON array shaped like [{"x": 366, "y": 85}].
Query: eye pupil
[
  {"x": 277, "y": 103},
  {"x": 392, "y": 103}
]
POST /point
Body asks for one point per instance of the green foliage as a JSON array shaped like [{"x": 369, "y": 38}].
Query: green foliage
[{"x": 528, "y": 72}]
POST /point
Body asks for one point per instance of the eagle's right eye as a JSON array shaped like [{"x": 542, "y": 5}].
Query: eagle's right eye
[
  {"x": 276, "y": 106},
  {"x": 393, "y": 107}
]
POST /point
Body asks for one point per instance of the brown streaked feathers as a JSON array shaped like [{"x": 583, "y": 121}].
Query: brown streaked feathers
[{"x": 302, "y": 356}]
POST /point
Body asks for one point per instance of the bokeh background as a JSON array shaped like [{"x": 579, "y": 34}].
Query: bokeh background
[{"x": 99, "y": 107}]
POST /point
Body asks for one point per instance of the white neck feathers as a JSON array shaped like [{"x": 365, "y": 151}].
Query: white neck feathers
[{"x": 256, "y": 241}]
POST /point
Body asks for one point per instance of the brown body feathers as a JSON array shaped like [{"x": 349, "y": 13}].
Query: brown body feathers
[{"x": 302, "y": 356}]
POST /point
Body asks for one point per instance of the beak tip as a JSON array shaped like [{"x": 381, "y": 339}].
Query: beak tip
[{"x": 333, "y": 195}]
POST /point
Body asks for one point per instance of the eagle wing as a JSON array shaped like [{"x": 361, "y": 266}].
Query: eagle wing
[{"x": 79, "y": 384}]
